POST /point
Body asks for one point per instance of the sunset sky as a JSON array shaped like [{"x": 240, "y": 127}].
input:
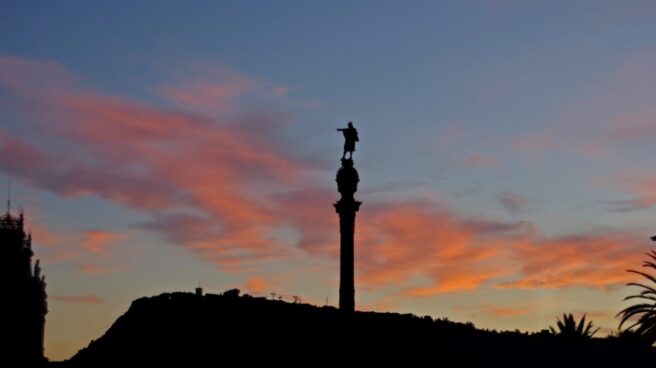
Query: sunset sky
[{"x": 506, "y": 153}]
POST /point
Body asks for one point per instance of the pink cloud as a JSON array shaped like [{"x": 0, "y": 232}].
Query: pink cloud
[
  {"x": 27, "y": 76},
  {"x": 593, "y": 260},
  {"x": 629, "y": 128},
  {"x": 534, "y": 143},
  {"x": 480, "y": 161},
  {"x": 172, "y": 164},
  {"x": 451, "y": 253},
  {"x": 404, "y": 241},
  {"x": 640, "y": 189},
  {"x": 209, "y": 87},
  {"x": 97, "y": 240},
  {"x": 281, "y": 91},
  {"x": 43, "y": 235},
  {"x": 222, "y": 185}
]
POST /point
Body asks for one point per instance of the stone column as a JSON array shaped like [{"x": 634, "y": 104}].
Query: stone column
[{"x": 347, "y": 184}]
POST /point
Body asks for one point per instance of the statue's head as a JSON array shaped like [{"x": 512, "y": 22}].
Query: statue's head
[{"x": 350, "y": 125}]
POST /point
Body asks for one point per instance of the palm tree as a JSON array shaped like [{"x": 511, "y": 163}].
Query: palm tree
[
  {"x": 569, "y": 328},
  {"x": 644, "y": 312}
]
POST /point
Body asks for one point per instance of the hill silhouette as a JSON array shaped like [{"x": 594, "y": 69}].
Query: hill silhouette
[{"x": 190, "y": 330}]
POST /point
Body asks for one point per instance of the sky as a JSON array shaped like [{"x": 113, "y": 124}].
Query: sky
[{"x": 505, "y": 155}]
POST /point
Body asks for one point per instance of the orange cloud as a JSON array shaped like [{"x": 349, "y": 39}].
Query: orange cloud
[
  {"x": 593, "y": 260},
  {"x": 496, "y": 310},
  {"x": 405, "y": 241},
  {"x": 504, "y": 311},
  {"x": 257, "y": 285},
  {"x": 97, "y": 240},
  {"x": 222, "y": 185},
  {"x": 43, "y": 235},
  {"x": 199, "y": 177},
  {"x": 427, "y": 249},
  {"x": 85, "y": 299}
]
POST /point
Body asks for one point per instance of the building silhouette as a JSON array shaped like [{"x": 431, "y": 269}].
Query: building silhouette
[{"x": 23, "y": 305}]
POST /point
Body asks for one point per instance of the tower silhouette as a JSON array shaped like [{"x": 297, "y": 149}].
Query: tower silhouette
[
  {"x": 23, "y": 307},
  {"x": 347, "y": 184}
]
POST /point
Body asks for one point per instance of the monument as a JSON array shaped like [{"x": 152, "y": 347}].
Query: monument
[{"x": 347, "y": 184}]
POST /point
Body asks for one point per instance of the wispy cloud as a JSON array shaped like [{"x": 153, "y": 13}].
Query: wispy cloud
[
  {"x": 422, "y": 239},
  {"x": 84, "y": 299},
  {"x": 497, "y": 311},
  {"x": 98, "y": 270},
  {"x": 207, "y": 87},
  {"x": 224, "y": 185},
  {"x": 97, "y": 240},
  {"x": 640, "y": 189},
  {"x": 598, "y": 259},
  {"x": 480, "y": 160},
  {"x": 514, "y": 203},
  {"x": 174, "y": 164}
]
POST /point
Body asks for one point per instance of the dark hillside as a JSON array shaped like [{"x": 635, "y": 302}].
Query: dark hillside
[{"x": 187, "y": 330}]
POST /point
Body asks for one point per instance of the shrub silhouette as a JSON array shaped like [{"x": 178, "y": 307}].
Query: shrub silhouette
[
  {"x": 629, "y": 337},
  {"x": 645, "y": 309},
  {"x": 567, "y": 327}
]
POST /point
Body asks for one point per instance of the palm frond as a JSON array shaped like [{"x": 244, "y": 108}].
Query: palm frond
[
  {"x": 642, "y": 314},
  {"x": 568, "y": 327},
  {"x": 648, "y": 276}
]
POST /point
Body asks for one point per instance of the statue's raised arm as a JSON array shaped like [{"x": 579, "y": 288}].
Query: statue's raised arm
[{"x": 350, "y": 137}]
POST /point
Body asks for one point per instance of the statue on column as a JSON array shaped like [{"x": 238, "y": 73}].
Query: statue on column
[{"x": 350, "y": 137}]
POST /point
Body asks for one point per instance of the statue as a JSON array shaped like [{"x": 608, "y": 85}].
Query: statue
[
  {"x": 37, "y": 269},
  {"x": 350, "y": 137}
]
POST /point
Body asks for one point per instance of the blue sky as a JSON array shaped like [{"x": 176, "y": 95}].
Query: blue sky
[{"x": 494, "y": 135}]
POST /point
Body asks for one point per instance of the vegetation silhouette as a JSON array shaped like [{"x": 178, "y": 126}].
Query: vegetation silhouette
[
  {"x": 191, "y": 329},
  {"x": 567, "y": 327},
  {"x": 644, "y": 312}
]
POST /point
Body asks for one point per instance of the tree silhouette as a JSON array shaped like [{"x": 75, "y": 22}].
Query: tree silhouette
[
  {"x": 645, "y": 309},
  {"x": 567, "y": 327},
  {"x": 629, "y": 337}
]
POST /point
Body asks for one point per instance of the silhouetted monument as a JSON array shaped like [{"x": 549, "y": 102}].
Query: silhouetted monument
[
  {"x": 350, "y": 137},
  {"x": 23, "y": 306},
  {"x": 347, "y": 184}
]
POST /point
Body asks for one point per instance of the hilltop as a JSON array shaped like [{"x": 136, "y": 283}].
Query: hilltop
[{"x": 189, "y": 330}]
